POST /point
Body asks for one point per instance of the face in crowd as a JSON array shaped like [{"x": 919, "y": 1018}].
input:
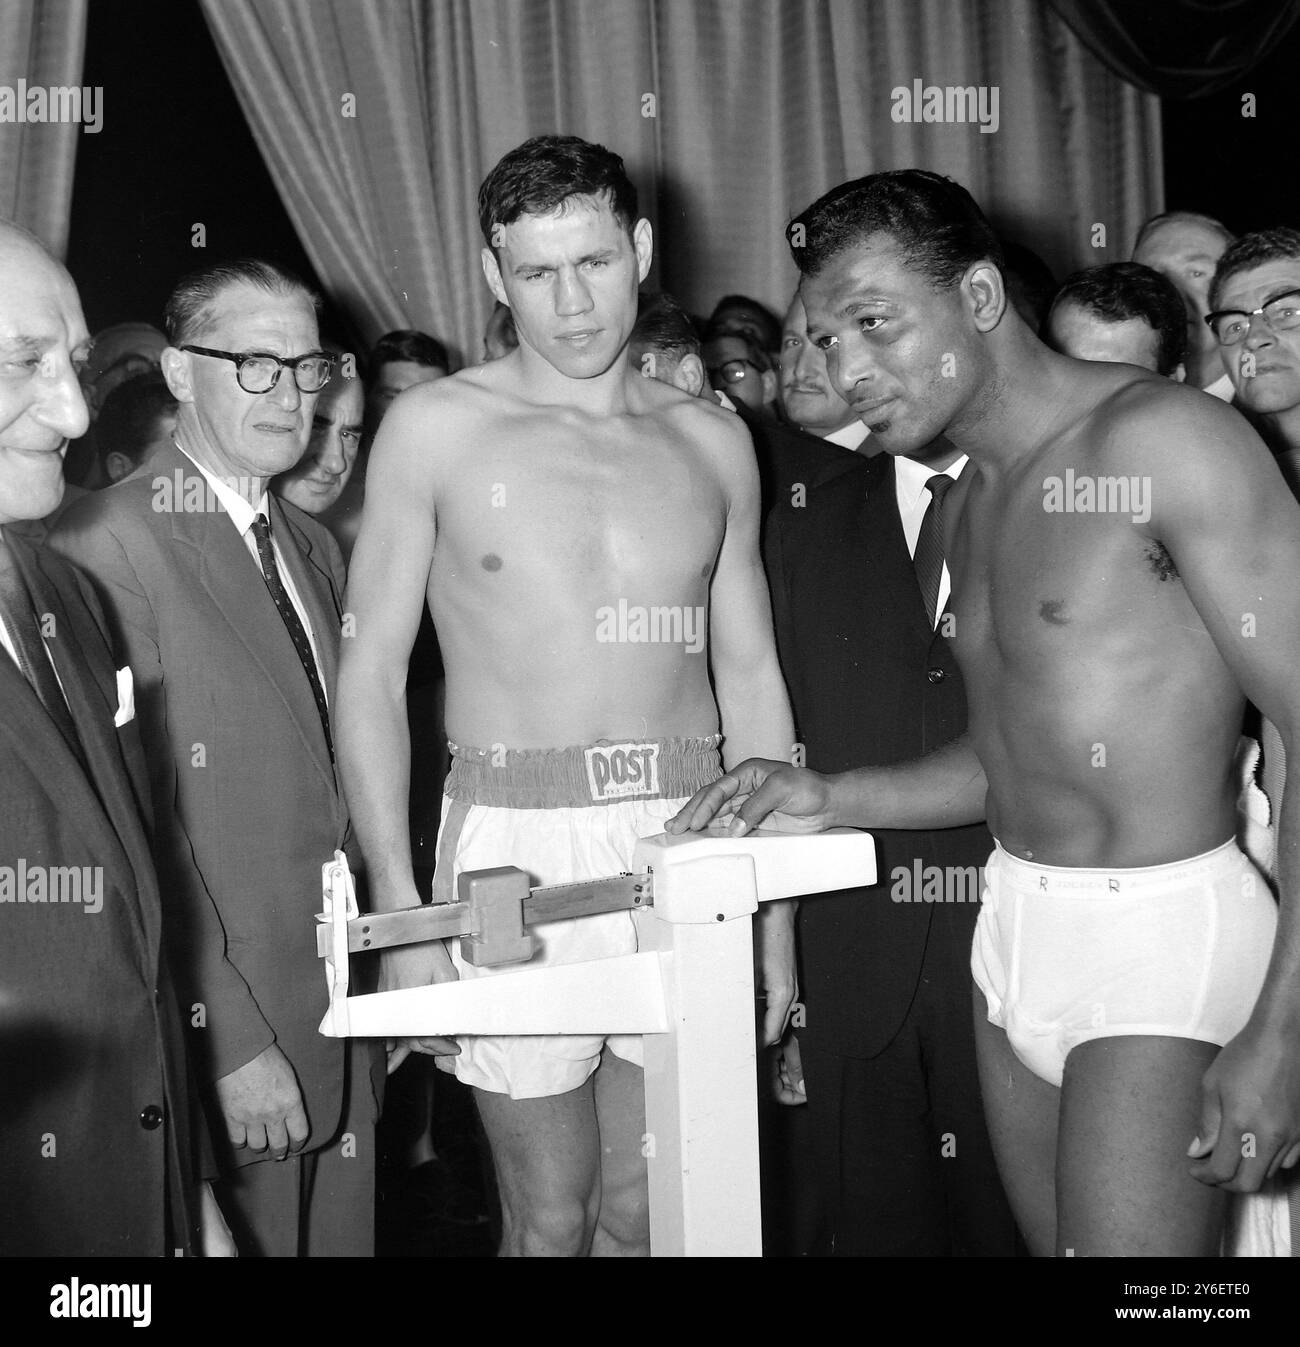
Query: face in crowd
[
  {"x": 571, "y": 279},
  {"x": 43, "y": 345},
  {"x": 318, "y": 481},
  {"x": 243, "y": 434},
  {"x": 1186, "y": 252},
  {"x": 741, "y": 370},
  {"x": 810, "y": 401},
  {"x": 1263, "y": 354},
  {"x": 889, "y": 335}
]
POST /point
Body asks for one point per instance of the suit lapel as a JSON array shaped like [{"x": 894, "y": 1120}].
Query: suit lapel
[
  {"x": 226, "y": 569},
  {"x": 104, "y": 802}
]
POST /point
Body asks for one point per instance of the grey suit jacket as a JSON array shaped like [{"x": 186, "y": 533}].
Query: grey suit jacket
[{"x": 245, "y": 798}]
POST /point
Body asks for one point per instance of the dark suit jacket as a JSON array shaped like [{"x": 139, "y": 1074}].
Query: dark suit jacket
[
  {"x": 90, "y": 1037},
  {"x": 246, "y": 803},
  {"x": 870, "y": 684}
]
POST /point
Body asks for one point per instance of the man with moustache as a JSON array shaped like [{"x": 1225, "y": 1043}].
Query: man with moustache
[
  {"x": 807, "y": 397},
  {"x": 228, "y": 602},
  {"x": 529, "y": 500},
  {"x": 1136, "y": 1011}
]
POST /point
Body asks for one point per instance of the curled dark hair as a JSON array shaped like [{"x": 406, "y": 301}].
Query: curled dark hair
[
  {"x": 938, "y": 228},
  {"x": 539, "y": 176}
]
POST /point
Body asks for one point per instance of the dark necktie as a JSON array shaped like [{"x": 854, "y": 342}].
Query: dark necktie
[
  {"x": 928, "y": 558},
  {"x": 293, "y": 624},
  {"x": 20, "y": 622}
]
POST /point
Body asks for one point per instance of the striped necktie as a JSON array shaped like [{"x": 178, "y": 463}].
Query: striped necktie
[
  {"x": 293, "y": 624},
  {"x": 928, "y": 558}
]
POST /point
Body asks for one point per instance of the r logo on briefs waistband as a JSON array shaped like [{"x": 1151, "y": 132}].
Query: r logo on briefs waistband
[{"x": 618, "y": 771}]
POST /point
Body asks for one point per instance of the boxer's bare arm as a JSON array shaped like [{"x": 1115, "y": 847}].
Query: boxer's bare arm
[
  {"x": 385, "y": 597},
  {"x": 386, "y": 592},
  {"x": 753, "y": 707},
  {"x": 1224, "y": 515},
  {"x": 752, "y": 703},
  {"x": 945, "y": 789}
]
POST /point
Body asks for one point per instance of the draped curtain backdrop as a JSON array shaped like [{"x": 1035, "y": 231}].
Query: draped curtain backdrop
[
  {"x": 1180, "y": 48},
  {"x": 379, "y": 118},
  {"x": 42, "y": 44}
]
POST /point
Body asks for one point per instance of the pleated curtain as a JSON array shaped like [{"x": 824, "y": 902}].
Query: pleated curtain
[{"x": 379, "y": 118}]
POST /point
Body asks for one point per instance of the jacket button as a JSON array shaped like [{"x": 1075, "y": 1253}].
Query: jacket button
[
  {"x": 935, "y": 675},
  {"x": 150, "y": 1117}
]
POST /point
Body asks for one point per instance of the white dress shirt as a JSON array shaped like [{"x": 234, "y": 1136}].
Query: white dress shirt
[
  {"x": 910, "y": 478},
  {"x": 7, "y": 643},
  {"x": 1221, "y": 388},
  {"x": 848, "y": 437},
  {"x": 243, "y": 515}
]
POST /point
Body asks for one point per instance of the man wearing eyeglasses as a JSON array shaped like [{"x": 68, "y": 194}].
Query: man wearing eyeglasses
[
  {"x": 228, "y": 602},
  {"x": 1255, "y": 318},
  {"x": 738, "y": 368}
]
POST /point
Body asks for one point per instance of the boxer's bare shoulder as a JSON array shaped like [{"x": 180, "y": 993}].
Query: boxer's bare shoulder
[{"x": 1117, "y": 560}]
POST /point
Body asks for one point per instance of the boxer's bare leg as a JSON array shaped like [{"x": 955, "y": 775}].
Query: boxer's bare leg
[
  {"x": 1129, "y": 1109},
  {"x": 1021, "y": 1110},
  {"x": 547, "y": 1157},
  {"x": 623, "y": 1225}
]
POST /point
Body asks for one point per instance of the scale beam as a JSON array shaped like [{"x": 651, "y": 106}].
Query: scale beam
[
  {"x": 689, "y": 990},
  {"x": 479, "y": 906}
]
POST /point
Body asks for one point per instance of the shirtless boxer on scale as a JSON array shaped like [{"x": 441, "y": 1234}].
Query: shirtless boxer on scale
[
  {"x": 571, "y": 523},
  {"x": 1131, "y": 994}
]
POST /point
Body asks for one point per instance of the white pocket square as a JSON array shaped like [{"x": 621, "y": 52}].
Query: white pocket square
[{"x": 125, "y": 698}]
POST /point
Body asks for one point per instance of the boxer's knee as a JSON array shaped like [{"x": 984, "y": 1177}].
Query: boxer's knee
[
  {"x": 624, "y": 1221},
  {"x": 553, "y": 1224}
]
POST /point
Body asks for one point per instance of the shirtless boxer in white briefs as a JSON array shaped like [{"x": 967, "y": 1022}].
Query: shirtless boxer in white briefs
[
  {"x": 587, "y": 542},
  {"x": 1124, "y": 561}
]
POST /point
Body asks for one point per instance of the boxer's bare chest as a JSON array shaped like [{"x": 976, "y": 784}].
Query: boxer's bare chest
[
  {"x": 559, "y": 504},
  {"x": 1055, "y": 576}
]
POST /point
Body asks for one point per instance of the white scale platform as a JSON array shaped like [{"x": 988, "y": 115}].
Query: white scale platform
[{"x": 689, "y": 990}]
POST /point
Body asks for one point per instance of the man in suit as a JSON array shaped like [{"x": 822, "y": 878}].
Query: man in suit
[
  {"x": 94, "y": 1126},
  {"x": 808, "y": 398},
  {"x": 229, "y": 602},
  {"x": 897, "y": 1141}
]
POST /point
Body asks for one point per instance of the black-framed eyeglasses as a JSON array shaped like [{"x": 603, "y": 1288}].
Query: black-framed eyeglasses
[
  {"x": 733, "y": 372},
  {"x": 259, "y": 371},
  {"x": 1280, "y": 314}
]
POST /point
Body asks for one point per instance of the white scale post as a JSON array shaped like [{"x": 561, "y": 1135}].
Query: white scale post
[{"x": 689, "y": 990}]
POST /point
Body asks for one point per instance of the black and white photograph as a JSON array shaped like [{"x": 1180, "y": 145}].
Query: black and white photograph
[{"x": 649, "y": 628}]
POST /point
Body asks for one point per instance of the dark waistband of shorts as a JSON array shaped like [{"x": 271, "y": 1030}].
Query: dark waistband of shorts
[{"x": 578, "y": 777}]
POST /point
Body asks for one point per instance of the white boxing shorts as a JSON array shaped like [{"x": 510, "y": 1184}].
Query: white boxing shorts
[{"x": 561, "y": 816}]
